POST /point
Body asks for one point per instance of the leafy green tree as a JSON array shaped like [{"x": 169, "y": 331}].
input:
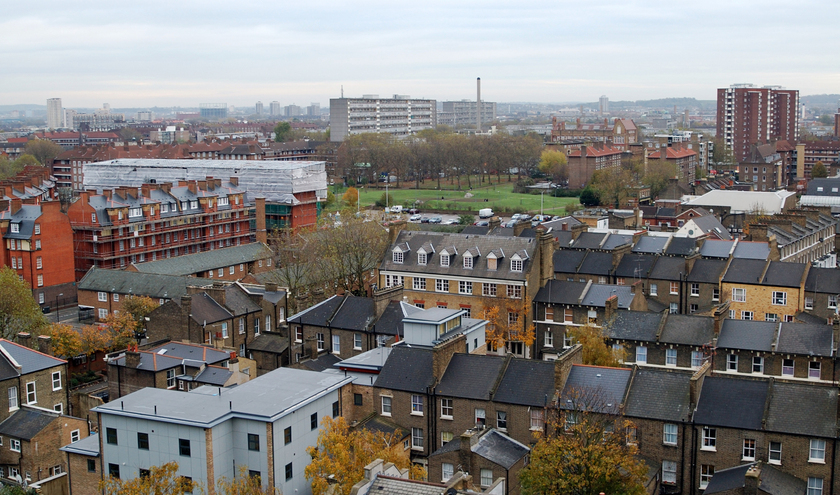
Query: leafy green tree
[
  {"x": 43, "y": 150},
  {"x": 18, "y": 310},
  {"x": 818, "y": 171},
  {"x": 8, "y": 168},
  {"x": 130, "y": 134},
  {"x": 466, "y": 220},
  {"x": 826, "y": 119},
  {"x": 25, "y": 160},
  {"x": 282, "y": 132},
  {"x": 585, "y": 451},
  {"x": 589, "y": 197}
]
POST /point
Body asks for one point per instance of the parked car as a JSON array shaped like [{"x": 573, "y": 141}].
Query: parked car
[
  {"x": 424, "y": 219},
  {"x": 524, "y": 217},
  {"x": 510, "y": 224},
  {"x": 415, "y": 218},
  {"x": 516, "y": 216},
  {"x": 413, "y": 210},
  {"x": 451, "y": 221},
  {"x": 482, "y": 223},
  {"x": 396, "y": 209},
  {"x": 435, "y": 220}
]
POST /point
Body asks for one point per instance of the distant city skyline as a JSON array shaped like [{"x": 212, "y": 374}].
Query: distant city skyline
[{"x": 185, "y": 53}]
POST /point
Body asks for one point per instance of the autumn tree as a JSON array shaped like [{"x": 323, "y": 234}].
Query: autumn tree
[
  {"x": 657, "y": 176},
  {"x": 612, "y": 185},
  {"x": 43, "y": 150},
  {"x": 351, "y": 197},
  {"x": 585, "y": 450},
  {"x": 554, "y": 164},
  {"x": 161, "y": 480},
  {"x": 341, "y": 455},
  {"x": 349, "y": 252},
  {"x": 138, "y": 307},
  {"x": 65, "y": 341},
  {"x": 19, "y": 312},
  {"x": 120, "y": 330},
  {"x": 596, "y": 351},
  {"x": 507, "y": 321},
  {"x": 818, "y": 171},
  {"x": 93, "y": 339},
  {"x": 282, "y": 132},
  {"x": 294, "y": 261},
  {"x": 244, "y": 484}
]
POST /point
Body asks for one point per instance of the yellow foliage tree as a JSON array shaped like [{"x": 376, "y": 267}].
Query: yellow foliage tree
[
  {"x": 66, "y": 341},
  {"x": 586, "y": 451},
  {"x": 244, "y": 484},
  {"x": 162, "y": 480},
  {"x": 596, "y": 351},
  {"x": 344, "y": 454},
  {"x": 507, "y": 321},
  {"x": 138, "y": 307},
  {"x": 351, "y": 196},
  {"x": 119, "y": 330}
]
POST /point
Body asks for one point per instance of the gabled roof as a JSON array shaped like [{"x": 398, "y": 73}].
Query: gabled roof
[
  {"x": 713, "y": 248},
  {"x": 650, "y": 244},
  {"x": 151, "y": 361},
  {"x": 748, "y": 335},
  {"x": 408, "y": 369},
  {"x": 500, "y": 449},
  {"x": 754, "y": 250},
  {"x": 207, "y": 260},
  {"x": 634, "y": 325},
  {"x": 387, "y": 485},
  {"x": 590, "y": 240},
  {"x": 681, "y": 246},
  {"x": 29, "y": 360},
  {"x": 204, "y": 309},
  {"x": 659, "y": 394},
  {"x": 598, "y": 294},
  {"x": 744, "y": 399},
  {"x": 805, "y": 338},
  {"x": 745, "y": 271},
  {"x": 319, "y": 314},
  {"x": 568, "y": 260},
  {"x": 26, "y": 422},
  {"x": 803, "y": 409},
  {"x": 470, "y": 376},
  {"x": 706, "y": 271},
  {"x": 560, "y": 292},
  {"x": 596, "y": 388},
  {"x": 635, "y": 266},
  {"x": 238, "y": 302},
  {"x": 616, "y": 240},
  {"x": 323, "y": 362},
  {"x": 823, "y": 280},
  {"x": 668, "y": 268},
  {"x": 770, "y": 480},
  {"x": 688, "y": 330},
  {"x": 709, "y": 224},
  {"x": 783, "y": 274},
  {"x": 269, "y": 342},
  {"x": 213, "y": 375},
  {"x": 193, "y": 352},
  {"x": 156, "y": 286},
  {"x": 526, "y": 382},
  {"x": 596, "y": 263}
]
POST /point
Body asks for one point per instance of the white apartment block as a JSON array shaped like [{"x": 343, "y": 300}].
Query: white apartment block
[
  {"x": 400, "y": 116},
  {"x": 463, "y": 113},
  {"x": 55, "y": 113}
]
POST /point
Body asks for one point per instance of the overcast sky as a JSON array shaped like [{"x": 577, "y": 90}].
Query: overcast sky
[{"x": 180, "y": 52}]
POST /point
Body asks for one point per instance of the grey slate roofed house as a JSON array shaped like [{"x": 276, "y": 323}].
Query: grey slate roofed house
[
  {"x": 651, "y": 244},
  {"x": 634, "y": 267},
  {"x": 568, "y": 260},
  {"x": 752, "y": 250},
  {"x": 668, "y": 268},
  {"x": 682, "y": 246},
  {"x": 596, "y": 263},
  {"x": 745, "y": 271},
  {"x": 707, "y": 271},
  {"x": 590, "y": 240},
  {"x": 526, "y": 382},
  {"x": 688, "y": 330},
  {"x": 470, "y": 376},
  {"x": 408, "y": 369},
  {"x": 745, "y": 400},
  {"x": 783, "y": 274},
  {"x": 717, "y": 249},
  {"x": 595, "y": 388},
  {"x": 770, "y": 479},
  {"x": 635, "y": 326},
  {"x": 659, "y": 394},
  {"x": 748, "y": 335},
  {"x": 197, "y": 263},
  {"x": 154, "y": 285}
]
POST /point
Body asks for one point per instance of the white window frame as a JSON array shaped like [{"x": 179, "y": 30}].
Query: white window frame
[
  {"x": 709, "y": 439},
  {"x": 670, "y": 357},
  {"x": 757, "y": 365},
  {"x": 814, "y": 370},
  {"x": 417, "y": 440},
  {"x": 13, "y": 398},
  {"x": 748, "y": 451},
  {"x": 416, "y": 405},
  {"x": 446, "y": 408},
  {"x": 779, "y": 298},
  {"x": 441, "y": 285},
  {"x": 641, "y": 354},
  {"x": 669, "y": 434},
  {"x": 486, "y": 478},
  {"x": 788, "y": 370},
  {"x": 418, "y": 283},
  {"x": 516, "y": 265},
  {"x": 707, "y": 471},
  {"x": 695, "y": 289},
  {"x": 809, "y": 302},
  {"x": 489, "y": 290},
  {"x": 31, "y": 393},
  {"x": 444, "y": 260},
  {"x": 447, "y": 470},
  {"x": 357, "y": 341},
  {"x": 336, "y": 344},
  {"x": 465, "y": 287},
  {"x": 774, "y": 456},
  {"x": 697, "y": 358},
  {"x": 14, "y": 445},
  {"x": 468, "y": 262},
  {"x": 56, "y": 380},
  {"x": 102, "y": 296},
  {"x": 653, "y": 290},
  {"x": 398, "y": 257},
  {"x": 669, "y": 472},
  {"x": 739, "y": 294},
  {"x": 816, "y": 451},
  {"x": 422, "y": 258},
  {"x": 75, "y": 436},
  {"x": 386, "y": 405},
  {"x": 320, "y": 342},
  {"x": 815, "y": 486}
]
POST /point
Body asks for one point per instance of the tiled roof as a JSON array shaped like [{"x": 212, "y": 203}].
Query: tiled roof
[
  {"x": 635, "y": 266},
  {"x": 803, "y": 409},
  {"x": 470, "y": 376},
  {"x": 707, "y": 271},
  {"x": 193, "y": 352},
  {"x": 747, "y": 335},
  {"x": 668, "y": 268},
  {"x": 568, "y": 260},
  {"x": 408, "y": 369},
  {"x": 650, "y": 244},
  {"x": 207, "y": 260},
  {"x": 745, "y": 271},
  {"x": 635, "y": 326},
  {"x": 752, "y": 250},
  {"x": 716, "y": 249},
  {"x": 269, "y": 342},
  {"x": 805, "y": 338},
  {"x": 526, "y": 382},
  {"x": 595, "y": 388},
  {"x": 213, "y": 375},
  {"x": 25, "y": 423},
  {"x": 204, "y": 309},
  {"x": 560, "y": 292},
  {"x": 590, "y": 240},
  {"x": 688, "y": 330},
  {"x": 500, "y": 449},
  {"x": 823, "y": 280},
  {"x": 784, "y": 274},
  {"x": 744, "y": 399},
  {"x": 29, "y": 360},
  {"x": 659, "y": 394},
  {"x": 681, "y": 246},
  {"x": 596, "y": 263}
]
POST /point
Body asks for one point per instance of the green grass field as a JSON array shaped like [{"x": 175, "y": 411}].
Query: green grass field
[{"x": 500, "y": 198}]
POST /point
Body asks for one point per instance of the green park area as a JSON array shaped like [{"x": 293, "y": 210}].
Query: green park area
[{"x": 499, "y": 197}]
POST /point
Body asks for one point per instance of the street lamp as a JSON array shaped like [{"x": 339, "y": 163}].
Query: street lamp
[{"x": 57, "y": 315}]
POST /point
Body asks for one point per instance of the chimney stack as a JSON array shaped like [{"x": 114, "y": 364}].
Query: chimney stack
[{"x": 45, "y": 344}]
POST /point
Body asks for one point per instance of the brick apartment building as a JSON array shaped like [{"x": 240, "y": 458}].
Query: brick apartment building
[
  {"x": 620, "y": 135},
  {"x": 32, "y": 377},
  {"x": 584, "y": 162},
  {"x": 156, "y": 221},
  {"x": 747, "y": 115},
  {"x": 681, "y": 158},
  {"x": 37, "y": 244}
]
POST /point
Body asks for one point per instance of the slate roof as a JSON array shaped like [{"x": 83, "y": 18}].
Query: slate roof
[
  {"x": 688, "y": 330},
  {"x": 776, "y": 482},
  {"x": 668, "y": 268},
  {"x": 151, "y": 361},
  {"x": 754, "y": 250},
  {"x": 596, "y": 263},
  {"x": 716, "y": 249},
  {"x": 26, "y": 423},
  {"x": 391, "y": 320},
  {"x": 25, "y": 217},
  {"x": 650, "y": 244},
  {"x": 568, "y": 260},
  {"x": 589, "y": 240},
  {"x": 659, "y": 394},
  {"x": 355, "y": 313},
  {"x": 805, "y": 338},
  {"x": 7, "y": 370},
  {"x": 560, "y": 292},
  {"x": 207, "y": 260},
  {"x": 824, "y": 187},
  {"x": 377, "y": 423},
  {"x": 154, "y": 285},
  {"x": 205, "y": 309},
  {"x": 748, "y": 335},
  {"x": 194, "y": 352},
  {"x": 88, "y": 446},
  {"x": 319, "y": 314},
  {"x": 744, "y": 398},
  {"x": 634, "y": 325},
  {"x": 470, "y": 376},
  {"x": 744, "y": 271},
  {"x": 269, "y": 342},
  {"x": 635, "y": 266},
  {"x": 824, "y": 280},
  {"x": 323, "y": 362},
  {"x": 783, "y": 274},
  {"x": 408, "y": 369},
  {"x": 462, "y": 243},
  {"x": 237, "y": 301},
  {"x": 499, "y": 449},
  {"x": 728, "y": 479},
  {"x": 214, "y": 375},
  {"x": 29, "y": 360},
  {"x": 600, "y": 388},
  {"x": 616, "y": 240},
  {"x": 706, "y": 271},
  {"x": 681, "y": 246},
  {"x": 386, "y": 485},
  {"x": 526, "y": 382},
  {"x": 710, "y": 224},
  {"x": 598, "y": 294},
  {"x": 803, "y": 409}
]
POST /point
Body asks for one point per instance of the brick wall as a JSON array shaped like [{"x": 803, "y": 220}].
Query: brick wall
[{"x": 82, "y": 481}]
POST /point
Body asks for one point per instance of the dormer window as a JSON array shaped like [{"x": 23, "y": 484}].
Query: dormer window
[
  {"x": 516, "y": 265},
  {"x": 444, "y": 260},
  {"x": 398, "y": 257},
  {"x": 223, "y": 201},
  {"x": 119, "y": 214},
  {"x": 15, "y": 228},
  {"x": 183, "y": 205},
  {"x": 491, "y": 263},
  {"x": 135, "y": 212},
  {"x": 164, "y": 207},
  {"x": 194, "y": 205},
  {"x": 468, "y": 262},
  {"x": 422, "y": 258}
]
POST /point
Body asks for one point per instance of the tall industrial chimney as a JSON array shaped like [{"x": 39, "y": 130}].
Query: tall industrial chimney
[{"x": 478, "y": 105}]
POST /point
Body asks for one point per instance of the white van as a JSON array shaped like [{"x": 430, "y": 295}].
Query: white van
[
  {"x": 396, "y": 209},
  {"x": 485, "y": 213}
]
